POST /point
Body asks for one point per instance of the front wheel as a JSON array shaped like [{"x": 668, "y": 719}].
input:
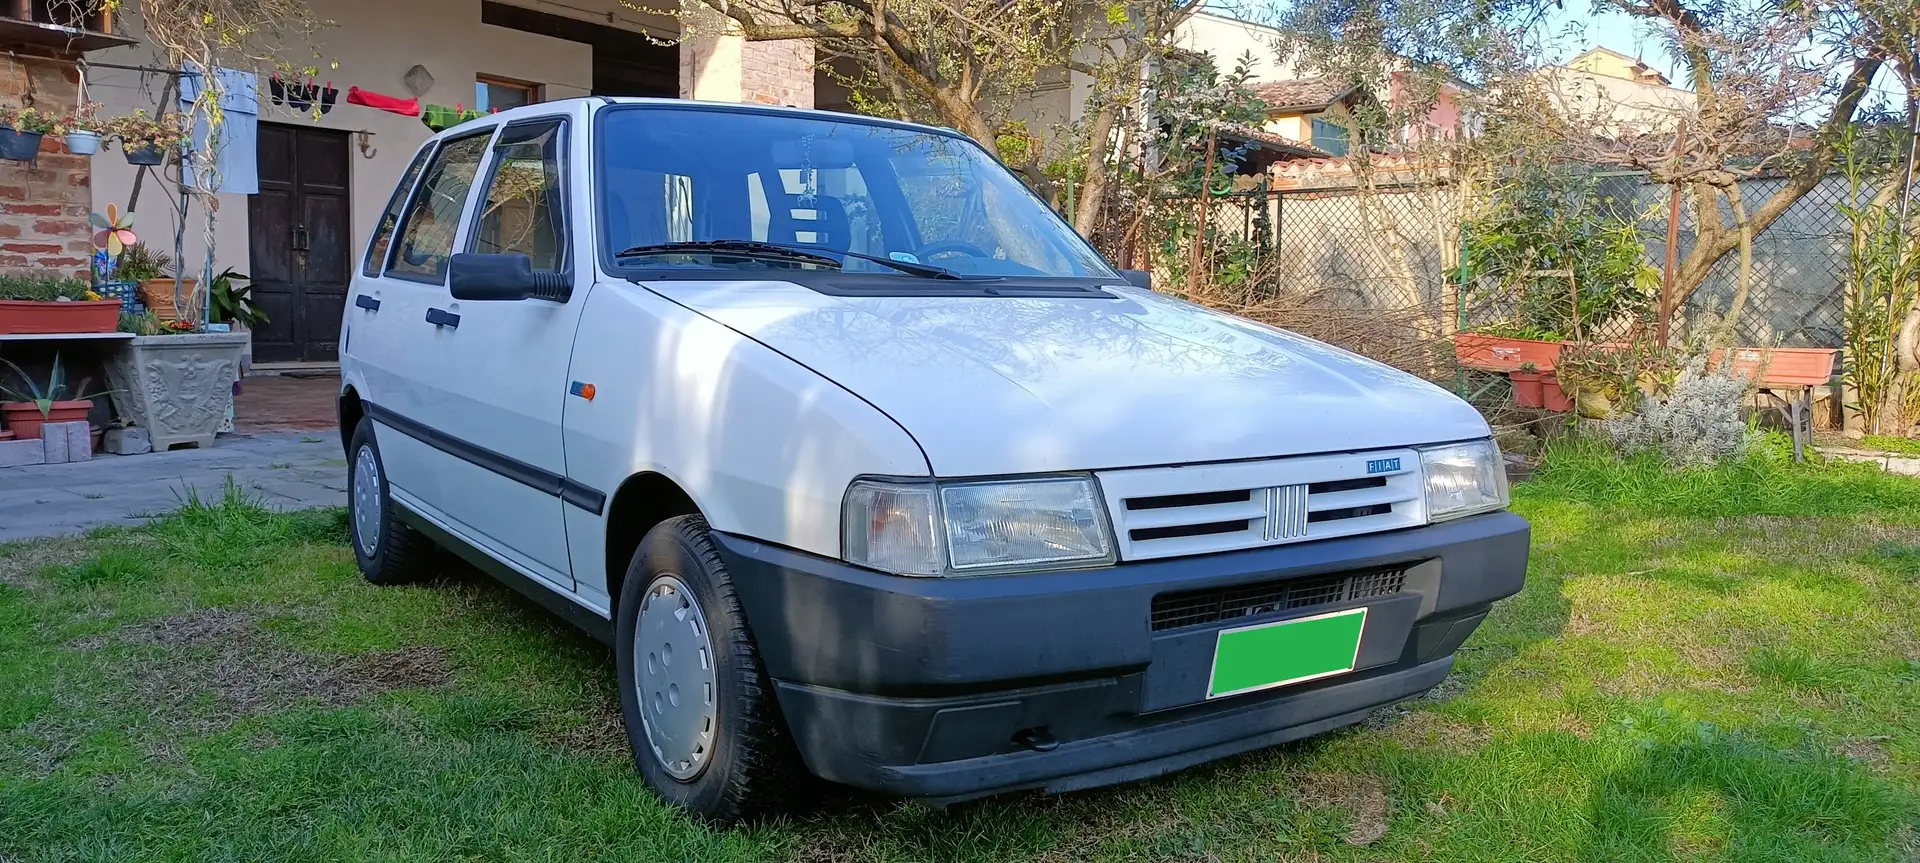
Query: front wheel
[{"x": 699, "y": 710}]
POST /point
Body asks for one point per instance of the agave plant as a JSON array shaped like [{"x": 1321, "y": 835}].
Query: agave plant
[{"x": 54, "y": 390}]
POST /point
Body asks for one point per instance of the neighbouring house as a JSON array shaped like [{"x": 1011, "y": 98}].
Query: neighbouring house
[{"x": 1615, "y": 95}]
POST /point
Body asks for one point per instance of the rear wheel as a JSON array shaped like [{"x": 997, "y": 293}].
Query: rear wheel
[
  {"x": 387, "y": 549},
  {"x": 699, "y": 710}
]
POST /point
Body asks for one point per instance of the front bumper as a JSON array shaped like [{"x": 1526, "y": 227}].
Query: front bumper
[{"x": 959, "y": 687}]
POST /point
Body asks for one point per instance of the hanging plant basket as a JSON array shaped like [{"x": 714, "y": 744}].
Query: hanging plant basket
[
  {"x": 83, "y": 143},
  {"x": 144, "y": 154},
  {"x": 19, "y": 146}
]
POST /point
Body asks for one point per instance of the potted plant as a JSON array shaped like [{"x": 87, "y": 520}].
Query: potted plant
[
  {"x": 23, "y": 129},
  {"x": 81, "y": 128},
  {"x": 47, "y": 303},
  {"x": 146, "y": 139},
  {"x": 35, "y": 403},
  {"x": 231, "y": 299},
  {"x": 1526, "y": 386},
  {"x": 151, "y": 268}
]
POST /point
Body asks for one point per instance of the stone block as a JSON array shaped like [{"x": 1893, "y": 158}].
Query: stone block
[
  {"x": 79, "y": 440},
  {"x": 127, "y": 441},
  {"x": 20, "y": 453},
  {"x": 53, "y": 439}
]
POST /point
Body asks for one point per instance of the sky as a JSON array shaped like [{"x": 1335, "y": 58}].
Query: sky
[{"x": 1577, "y": 28}]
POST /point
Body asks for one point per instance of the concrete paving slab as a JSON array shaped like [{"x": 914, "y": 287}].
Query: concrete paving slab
[{"x": 287, "y": 470}]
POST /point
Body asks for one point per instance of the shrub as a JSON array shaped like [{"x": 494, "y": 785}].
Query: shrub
[{"x": 1697, "y": 423}]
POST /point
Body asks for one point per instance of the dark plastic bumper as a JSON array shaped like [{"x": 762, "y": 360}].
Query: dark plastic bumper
[{"x": 960, "y": 687}]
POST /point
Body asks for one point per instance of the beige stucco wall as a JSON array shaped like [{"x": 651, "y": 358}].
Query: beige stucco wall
[
  {"x": 374, "y": 43},
  {"x": 1227, "y": 39}
]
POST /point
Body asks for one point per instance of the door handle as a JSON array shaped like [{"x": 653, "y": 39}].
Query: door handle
[
  {"x": 442, "y": 318},
  {"x": 301, "y": 238},
  {"x": 366, "y": 302}
]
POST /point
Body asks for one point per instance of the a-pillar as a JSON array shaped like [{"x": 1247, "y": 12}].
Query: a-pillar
[{"x": 717, "y": 64}]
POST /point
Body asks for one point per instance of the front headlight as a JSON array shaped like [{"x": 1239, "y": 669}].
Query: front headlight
[
  {"x": 967, "y": 528},
  {"x": 1463, "y": 479}
]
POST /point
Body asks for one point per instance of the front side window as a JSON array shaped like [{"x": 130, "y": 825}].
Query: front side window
[
  {"x": 383, "y": 233},
  {"x": 426, "y": 236},
  {"x": 523, "y": 211},
  {"x": 677, "y": 175}
]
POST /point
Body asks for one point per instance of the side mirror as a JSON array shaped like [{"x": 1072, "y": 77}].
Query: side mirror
[
  {"x": 476, "y": 276},
  {"x": 1138, "y": 278}
]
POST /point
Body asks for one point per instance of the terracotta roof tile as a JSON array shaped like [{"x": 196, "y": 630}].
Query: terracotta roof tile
[{"x": 1301, "y": 92}]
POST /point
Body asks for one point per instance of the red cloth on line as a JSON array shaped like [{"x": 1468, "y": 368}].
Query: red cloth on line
[{"x": 403, "y": 107}]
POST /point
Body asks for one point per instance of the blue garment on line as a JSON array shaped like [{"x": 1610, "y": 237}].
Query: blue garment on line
[{"x": 238, "y": 150}]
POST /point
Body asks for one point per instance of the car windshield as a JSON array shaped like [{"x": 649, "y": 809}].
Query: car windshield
[{"x": 677, "y": 175}]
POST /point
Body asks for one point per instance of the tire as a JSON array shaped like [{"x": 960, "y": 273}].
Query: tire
[
  {"x": 395, "y": 553},
  {"x": 733, "y": 761}
]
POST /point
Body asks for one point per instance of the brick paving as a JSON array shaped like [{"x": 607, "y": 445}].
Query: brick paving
[{"x": 286, "y": 403}]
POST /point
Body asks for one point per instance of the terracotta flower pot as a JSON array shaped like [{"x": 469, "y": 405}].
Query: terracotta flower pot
[
  {"x": 1552, "y": 397},
  {"x": 79, "y": 316},
  {"x": 157, "y": 296},
  {"x": 25, "y": 419},
  {"x": 1527, "y": 389},
  {"x": 1502, "y": 354},
  {"x": 6, "y": 434}
]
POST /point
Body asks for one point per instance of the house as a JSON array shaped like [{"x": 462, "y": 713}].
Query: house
[
  {"x": 1615, "y": 95},
  {"x": 325, "y": 172}
]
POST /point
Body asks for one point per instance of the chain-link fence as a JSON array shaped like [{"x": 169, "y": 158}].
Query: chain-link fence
[{"x": 1389, "y": 252}]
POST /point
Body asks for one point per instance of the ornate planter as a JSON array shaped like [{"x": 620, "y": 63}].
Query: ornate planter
[
  {"x": 178, "y": 388},
  {"x": 79, "y": 316}
]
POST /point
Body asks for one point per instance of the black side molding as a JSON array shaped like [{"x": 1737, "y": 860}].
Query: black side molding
[{"x": 540, "y": 479}]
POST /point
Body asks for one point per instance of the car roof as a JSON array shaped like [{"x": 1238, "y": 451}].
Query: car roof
[{"x": 595, "y": 103}]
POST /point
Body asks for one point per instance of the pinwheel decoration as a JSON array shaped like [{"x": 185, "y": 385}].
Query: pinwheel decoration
[{"x": 113, "y": 233}]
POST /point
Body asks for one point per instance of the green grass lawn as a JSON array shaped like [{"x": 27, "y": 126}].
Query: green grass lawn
[{"x": 1715, "y": 665}]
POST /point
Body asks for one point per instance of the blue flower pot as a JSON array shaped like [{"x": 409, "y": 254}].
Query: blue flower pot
[
  {"x": 144, "y": 154},
  {"x": 19, "y": 146}
]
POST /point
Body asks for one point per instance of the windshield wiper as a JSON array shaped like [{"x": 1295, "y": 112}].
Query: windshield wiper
[{"x": 782, "y": 252}]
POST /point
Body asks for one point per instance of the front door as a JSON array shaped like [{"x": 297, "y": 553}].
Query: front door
[{"x": 300, "y": 243}]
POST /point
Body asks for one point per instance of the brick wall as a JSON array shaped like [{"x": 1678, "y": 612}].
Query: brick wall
[
  {"x": 777, "y": 73},
  {"x": 44, "y": 204}
]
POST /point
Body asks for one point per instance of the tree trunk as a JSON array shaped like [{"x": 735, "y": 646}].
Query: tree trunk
[
  {"x": 1743, "y": 230},
  {"x": 1093, "y": 187}
]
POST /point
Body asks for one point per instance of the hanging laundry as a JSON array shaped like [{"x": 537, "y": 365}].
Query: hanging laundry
[
  {"x": 236, "y": 152},
  {"x": 394, "y": 104},
  {"x": 327, "y": 98}
]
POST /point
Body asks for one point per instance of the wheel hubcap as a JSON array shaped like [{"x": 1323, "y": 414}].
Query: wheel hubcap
[
  {"x": 366, "y": 500},
  {"x": 674, "y": 675}
]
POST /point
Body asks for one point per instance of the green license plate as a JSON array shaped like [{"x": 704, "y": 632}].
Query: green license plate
[{"x": 1290, "y": 651}]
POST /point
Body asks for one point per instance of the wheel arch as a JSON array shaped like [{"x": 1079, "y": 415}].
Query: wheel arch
[
  {"x": 642, "y": 502},
  {"x": 351, "y": 412}
]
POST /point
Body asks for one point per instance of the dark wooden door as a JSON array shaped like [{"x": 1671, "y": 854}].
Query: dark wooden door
[{"x": 300, "y": 246}]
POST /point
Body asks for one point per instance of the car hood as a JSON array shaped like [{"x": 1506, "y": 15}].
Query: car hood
[{"x": 1010, "y": 385}]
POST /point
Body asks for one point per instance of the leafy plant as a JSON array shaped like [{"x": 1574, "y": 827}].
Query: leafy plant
[
  {"x": 143, "y": 263},
  {"x": 140, "y": 129},
  {"x": 1529, "y": 368},
  {"x": 232, "y": 301},
  {"x": 1557, "y": 257},
  {"x": 85, "y": 117},
  {"x": 45, "y": 288},
  {"x": 1878, "y": 282},
  {"x": 1605, "y": 380},
  {"x": 1697, "y": 423},
  {"x": 27, "y": 120},
  {"x": 142, "y": 324},
  {"x": 53, "y": 390}
]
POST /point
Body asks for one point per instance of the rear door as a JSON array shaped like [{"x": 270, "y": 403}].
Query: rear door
[
  {"x": 389, "y": 338},
  {"x": 495, "y": 372}
]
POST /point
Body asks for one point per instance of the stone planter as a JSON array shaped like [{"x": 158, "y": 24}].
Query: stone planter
[{"x": 178, "y": 388}]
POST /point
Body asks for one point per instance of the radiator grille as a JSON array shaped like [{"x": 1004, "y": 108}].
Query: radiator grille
[
  {"x": 1169, "y": 512},
  {"x": 1227, "y": 604}
]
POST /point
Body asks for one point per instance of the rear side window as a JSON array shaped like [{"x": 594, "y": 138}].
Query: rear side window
[
  {"x": 524, "y": 210},
  {"x": 383, "y": 235},
  {"x": 433, "y": 218}
]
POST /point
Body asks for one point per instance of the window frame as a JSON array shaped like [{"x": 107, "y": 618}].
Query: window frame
[
  {"x": 403, "y": 195},
  {"x": 400, "y": 228},
  {"x": 493, "y": 162},
  {"x": 536, "y": 93}
]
